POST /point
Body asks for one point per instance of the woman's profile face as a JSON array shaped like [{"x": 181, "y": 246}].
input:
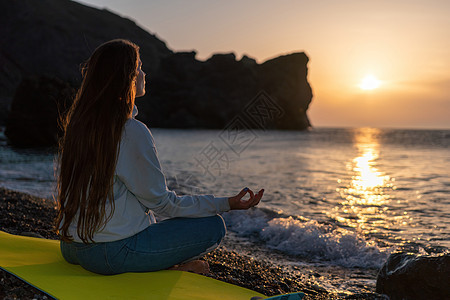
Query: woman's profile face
[{"x": 140, "y": 81}]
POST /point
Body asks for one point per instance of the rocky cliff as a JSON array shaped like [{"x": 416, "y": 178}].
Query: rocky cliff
[
  {"x": 51, "y": 38},
  {"x": 186, "y": 92}
]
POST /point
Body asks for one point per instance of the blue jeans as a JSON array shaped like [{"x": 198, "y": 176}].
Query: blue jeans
[{"x": 158, "y": 247}]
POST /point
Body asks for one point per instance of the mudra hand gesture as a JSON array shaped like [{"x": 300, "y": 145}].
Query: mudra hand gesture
[{"x": 237, "y": 202}]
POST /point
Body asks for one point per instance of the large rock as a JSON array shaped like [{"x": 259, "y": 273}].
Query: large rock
[
  {"x": 190, "y": 93},
  {"x": 34, "y": 118},
  {"x": 53, "y": 37},
  {"x": 407, "y": 276}
]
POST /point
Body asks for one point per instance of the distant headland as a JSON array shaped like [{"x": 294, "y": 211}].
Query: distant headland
[{"x": 44, "y": 42}]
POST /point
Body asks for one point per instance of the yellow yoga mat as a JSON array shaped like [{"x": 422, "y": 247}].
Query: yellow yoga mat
[{"x": 39, "y": 262}]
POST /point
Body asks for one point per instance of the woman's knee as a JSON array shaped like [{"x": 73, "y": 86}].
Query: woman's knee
[{"x": 220, "y": 226}]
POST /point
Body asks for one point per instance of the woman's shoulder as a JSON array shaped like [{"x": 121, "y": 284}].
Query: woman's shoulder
[
  {"x": 137, "y": 131},
  {"x": 136, "y": 125}
]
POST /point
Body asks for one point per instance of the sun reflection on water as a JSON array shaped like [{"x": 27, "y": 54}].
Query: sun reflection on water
[
  {"x": 366, "y": 187},
  {"x": 366, "y": 194}
]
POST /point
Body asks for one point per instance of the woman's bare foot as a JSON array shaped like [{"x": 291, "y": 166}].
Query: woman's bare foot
[{"x": 195, "y": 266}]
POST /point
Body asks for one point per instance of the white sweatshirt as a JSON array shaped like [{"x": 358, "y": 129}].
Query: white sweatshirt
[{"x": 140, "y": 186}]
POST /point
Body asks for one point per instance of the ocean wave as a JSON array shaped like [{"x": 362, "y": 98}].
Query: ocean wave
[{"x": 307, "y": 238}]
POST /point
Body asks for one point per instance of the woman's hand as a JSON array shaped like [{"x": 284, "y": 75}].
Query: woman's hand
[{"x": 236, "y": 202}]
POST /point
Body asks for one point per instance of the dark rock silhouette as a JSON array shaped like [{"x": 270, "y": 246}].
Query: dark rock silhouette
[
  {"x": 37, "y": 105},
  {"x": 215, "y": 91},
  {"x": 407, "y": 276},
  {"x": 53, "y": 37}
]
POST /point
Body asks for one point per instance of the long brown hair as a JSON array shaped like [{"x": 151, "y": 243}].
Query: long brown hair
[{"x": 93, "y": 127}]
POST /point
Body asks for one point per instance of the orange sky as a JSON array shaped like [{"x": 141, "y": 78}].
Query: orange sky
[{"x": 403, "y": 43}]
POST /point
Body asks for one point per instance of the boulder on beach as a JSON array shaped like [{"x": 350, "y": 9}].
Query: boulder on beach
[{"x": 408, "y": 276}]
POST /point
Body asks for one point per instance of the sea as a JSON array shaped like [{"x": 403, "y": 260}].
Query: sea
[{"x": 337, "y": 201}]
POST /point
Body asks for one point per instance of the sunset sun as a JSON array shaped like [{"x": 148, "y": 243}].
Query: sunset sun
[{"x": 369, "y": 82}]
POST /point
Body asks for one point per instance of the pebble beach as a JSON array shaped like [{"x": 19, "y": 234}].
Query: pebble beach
[{"x": 23, "y": 214}]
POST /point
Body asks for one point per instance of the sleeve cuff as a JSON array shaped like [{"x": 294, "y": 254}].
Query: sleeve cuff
[{"x": 223, "y": 204}]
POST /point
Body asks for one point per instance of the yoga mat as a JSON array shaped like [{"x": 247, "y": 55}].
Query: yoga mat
[{"x": 40, "y": 263}]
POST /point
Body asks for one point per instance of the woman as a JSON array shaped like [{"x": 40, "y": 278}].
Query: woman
[{"x": 110, "y": 181}]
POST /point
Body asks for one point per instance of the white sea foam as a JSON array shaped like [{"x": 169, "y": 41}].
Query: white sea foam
[{"x": 310, "y": 239}]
